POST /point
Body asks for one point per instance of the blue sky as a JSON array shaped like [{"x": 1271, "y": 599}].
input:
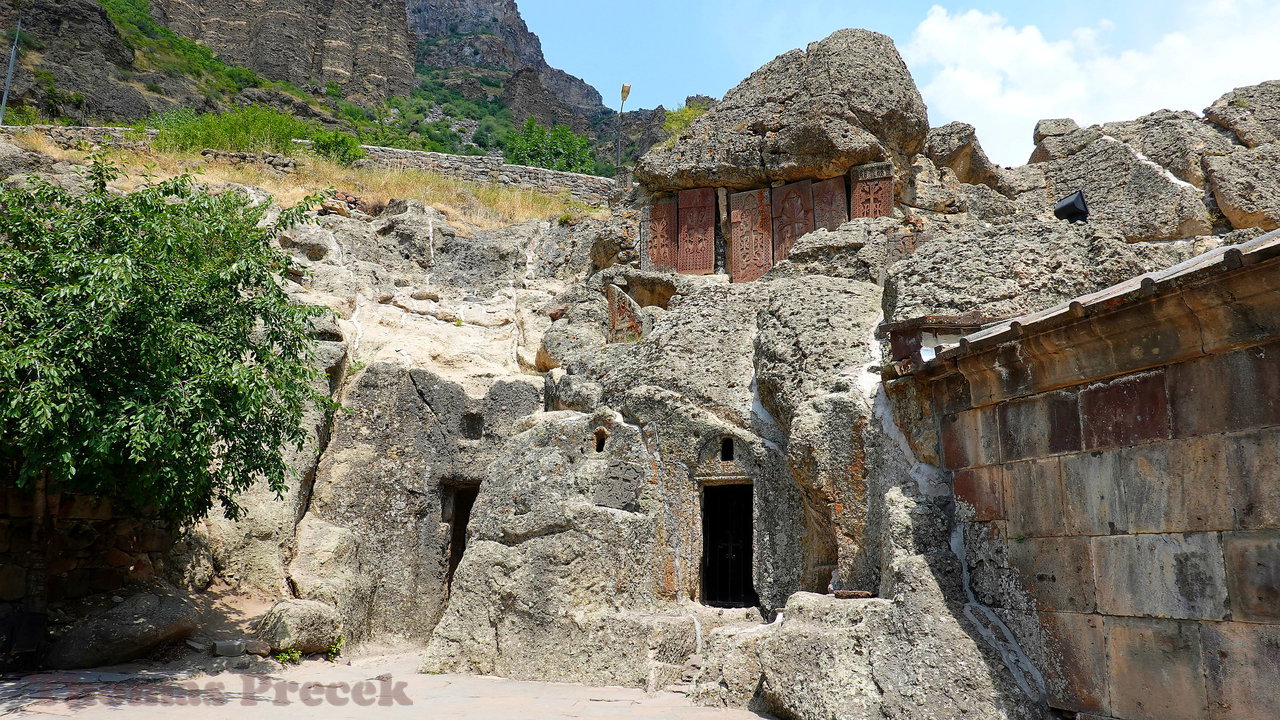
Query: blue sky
[{"x": 998, "y": 65}]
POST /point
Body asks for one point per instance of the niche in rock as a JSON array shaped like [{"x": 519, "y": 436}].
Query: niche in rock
[
  {"x": 727, "y": 546},
  {"x": 472, "y": 426},
  {"x": 456, "y": 502}
]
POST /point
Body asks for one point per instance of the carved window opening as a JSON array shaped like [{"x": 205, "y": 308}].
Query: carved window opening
[
  {"x": 472, "y": 426},
  {"x": 727, "y": 546},
  {"x": 726, "y": 450},
  {"x": 602, "y": 436},
  {"x": 456, "y": 502}
]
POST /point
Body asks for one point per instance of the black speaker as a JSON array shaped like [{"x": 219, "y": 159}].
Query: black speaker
[{"x": 1072, "y": 208}]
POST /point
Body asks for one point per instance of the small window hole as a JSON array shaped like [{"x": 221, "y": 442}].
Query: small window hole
[
  {"x": 472, "y": 426},
  {"x": 601, "y": 436},
  {"x": 726, "y": 449}
]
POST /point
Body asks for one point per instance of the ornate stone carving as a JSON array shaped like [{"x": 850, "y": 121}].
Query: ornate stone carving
[
  {"x": 661, "y": 235},
  {"x": 792, "y": 216},
  {"x": 696, "y": 246},
  {"x": 830, "y": 203},
  {"x": 624, "y": 316},
  {"x": 750, "y": 235},
  {"x": 872, "y": 190}
]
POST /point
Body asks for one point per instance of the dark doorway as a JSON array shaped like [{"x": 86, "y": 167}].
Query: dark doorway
[
  {"x": 727, "y": 546},
  {"x": 726, "y": 450},
  {"x": 455, "y": 509}
]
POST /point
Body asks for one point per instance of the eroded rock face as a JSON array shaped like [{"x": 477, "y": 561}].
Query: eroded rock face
[
  {"x": 1252, "y": 113},
  {"x": 1016, "y": 267},
  {"x": 363, "y": 47},
  {"x": 808, "y": 114},
  {"x": 1246, "y": 186},
  {"x": 955, "y": 146}
]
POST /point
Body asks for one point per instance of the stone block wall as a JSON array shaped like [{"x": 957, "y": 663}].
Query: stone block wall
[
  {"x": 485, "y": 169},
  {"x": 1117, "y": 484},
  {"x": 92, "y": 547}
]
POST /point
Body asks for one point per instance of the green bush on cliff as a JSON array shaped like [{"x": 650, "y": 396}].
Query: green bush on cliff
[
  {"x": 252, "y": 128},
  {"x": 171, "y": 53},
  {"x": 677, "y": 121},
  {"x": 148, "y": 349},
  {"x": 558, "y": 148}
]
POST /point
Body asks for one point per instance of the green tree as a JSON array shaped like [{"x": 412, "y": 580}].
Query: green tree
[
  {"x": 558, "y": 148},
  {"x": 148, "y": 349}
]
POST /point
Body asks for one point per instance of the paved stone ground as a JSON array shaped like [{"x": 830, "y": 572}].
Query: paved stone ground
[{"x": 385, "y": 687}]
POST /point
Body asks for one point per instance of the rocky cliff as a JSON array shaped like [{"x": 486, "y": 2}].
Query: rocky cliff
[{"x": 364, "y": 47}]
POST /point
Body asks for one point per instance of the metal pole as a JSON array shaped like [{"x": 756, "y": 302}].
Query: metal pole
[
  {"x": 617, "y": 144},
  {"x": 8, "y": 78}
]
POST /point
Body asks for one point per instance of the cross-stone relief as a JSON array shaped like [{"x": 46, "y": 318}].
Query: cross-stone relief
[
  {"x": 763, "y": 224},
  {"x": 624, "y": 316},
  {"x": 750, "y": 235},
  {"x": 872, "y": 190},
  {"x": 696, "y": 245},
  {"x": 792, "y": 216},
  {"x": 830, "y": 203},
  {"x": 661, "y": 235}
]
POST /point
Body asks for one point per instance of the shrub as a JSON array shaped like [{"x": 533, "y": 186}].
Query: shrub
[
  {"x": 148, "y": 349},
  {"x": 677, "y": 121},
  {"x": 289, "y": 657},
  {"x": 252, "y": 128},
  {"x": 337, "y": 146},
  {"x": 556, "y": 149}
]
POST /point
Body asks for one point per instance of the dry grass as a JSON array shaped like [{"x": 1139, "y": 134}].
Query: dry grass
[{"x": 482, "y": 207}]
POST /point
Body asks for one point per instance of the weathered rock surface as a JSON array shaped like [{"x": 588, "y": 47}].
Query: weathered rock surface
[
  {"x": 1127, "y": 193},
  {"x": 1251, "y": 112},
  {"x": 1016, "y": 267},
  {"x": 125, "y": 632},
  {"x": 808, "y": 114},
  {"x": 303, "y": 625},
  {"x": 1177, "y": 141},
  {"x": 1246, "y": 186},
  {"x": 955, "y": 145},
  {"x": 363, "y": 47}
]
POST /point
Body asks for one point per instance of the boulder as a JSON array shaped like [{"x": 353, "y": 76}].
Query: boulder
[
  {"x": 1127, "y": 193},
  {"x": 125, "y": 632},
  {"x": 955, "y": 145},
  {"x": 1252, "y": 113},
  {"x": 307, "y": 626},
  {"x": 1053, "y": 127},
  {"x": 808, "y": 114},
  {"x": 1246, "y": 186},
  {"x": 16, "y": 161}
]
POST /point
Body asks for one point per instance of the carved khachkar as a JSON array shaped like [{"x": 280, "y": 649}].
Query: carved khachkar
[
  {"x": 830, "y": 203},
  {"x": 696, "y": 245},
  {"x": 661, "y": 235},
  {"x": 624, "y": 315},
  {"x": 872, "y": 190},
  {"x": 750, "y": 234},
  {"x": 792, "y": 216}
]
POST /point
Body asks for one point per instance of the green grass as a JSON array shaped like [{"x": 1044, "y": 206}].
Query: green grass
[{"x": 252, "y": 128}]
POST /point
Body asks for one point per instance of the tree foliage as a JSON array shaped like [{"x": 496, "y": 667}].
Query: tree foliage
[
  {"x": 558, "y": 148},
  {"x": 148, "y": 349}
]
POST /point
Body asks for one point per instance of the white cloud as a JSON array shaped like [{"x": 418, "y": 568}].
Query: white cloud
[{"x": 978, "y": 68}]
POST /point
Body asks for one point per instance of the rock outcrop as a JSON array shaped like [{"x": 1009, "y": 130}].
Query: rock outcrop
[
  {"x": 363, "y": 47},
  {"x": 122, "y": 633},
  {"x": 808, "y": 114}
]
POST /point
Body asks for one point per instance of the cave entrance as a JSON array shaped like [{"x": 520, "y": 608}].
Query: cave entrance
[
  {"x": 727, "y": 536},
  {"x": 455, "y": 510}
]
